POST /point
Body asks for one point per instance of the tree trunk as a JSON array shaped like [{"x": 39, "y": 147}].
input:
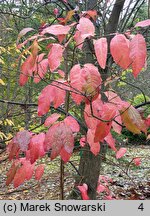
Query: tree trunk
[{"x": 90, "y": 165}]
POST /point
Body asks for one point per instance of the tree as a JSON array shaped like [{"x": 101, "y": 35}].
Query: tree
[{"x": 78, "y": 85}]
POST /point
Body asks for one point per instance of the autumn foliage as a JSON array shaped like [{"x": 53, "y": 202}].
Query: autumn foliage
[{"x": 83, "y": 83}]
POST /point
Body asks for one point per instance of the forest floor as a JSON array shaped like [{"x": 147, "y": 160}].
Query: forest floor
[{"x": 129, "y": 182}]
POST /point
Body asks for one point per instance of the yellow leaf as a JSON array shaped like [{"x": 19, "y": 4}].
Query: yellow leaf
[
  {"x": 21, "y": 129},
  {"x": 2, "y": 135},
  {"x": 69, "y": 16},
  {"x": 133, "y": 121},
  {"x": 10, "y": 122},
  {"x": 1, "y": 61},
  {"x": 2, "y": 82}
]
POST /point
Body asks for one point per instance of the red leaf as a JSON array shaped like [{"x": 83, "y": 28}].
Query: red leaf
[
  {"x": 28, "y": 168},
  {"x": 65, "y": 156},
  {"x": 25, "y": 172},
  {"x": 119, "y": 47},
  {"x": 94, "y": 146},
  {"x": 110, "y": 141},
  {"x": 137, "y": 161},
  {"x": 72, "y": 123},
  {"x": 55, "y": 56},
  {"x": 26, "y": 71},
  {"x": 51, "y": 119},
  {"x": 143, "y": 23},
  {"x": 147, "y": 121},
  {"x": 82, "y": 141},
  {"x": 116, "y": 125},
  {"x": 51, "y": 95},
  {"x": 36, "y": 147},
  {"x": 101, "y": 49},
  {"x": 61, "y": 73},
  {"x": 23, "y": 79},
  {"x": 86, "y": 80},
  {"x": 91, "y": 13},
  {"x": 103, "y": 128},
  {"x": 11, "y": 173},
  {"x": 83, "y": 189},
  {"x": 90, "y": 120},
  {"x": 86, "y": 27},
  {"x": 59, "y": 136},
  {"x": 78, "y": 39},
  {"x": 100, "y": 188},
  {"x": 56, "y": 30},
  {"x": 41, "y": 70},
  {"x": 76, "y": 83},
  {"x": 19, "y": 177},
  {"x": 138, "y": 53},
  {"x": 121, "y": 153},
  {"x": 13, "y": 149},
  {"x": 56, "y": 11},
  {"x": 39, "y": 172},
  {"x": 22, "y": 138}
]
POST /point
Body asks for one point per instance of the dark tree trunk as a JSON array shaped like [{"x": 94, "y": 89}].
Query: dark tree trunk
[{"x": 90, "y": 165}]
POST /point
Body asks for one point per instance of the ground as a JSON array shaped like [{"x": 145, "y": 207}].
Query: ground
[{"x": 129, "y": 182}]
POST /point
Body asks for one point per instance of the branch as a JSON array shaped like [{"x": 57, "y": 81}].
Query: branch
[{"x": 59, "y": 109}]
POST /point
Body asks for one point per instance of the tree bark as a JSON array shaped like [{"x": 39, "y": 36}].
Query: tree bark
[{"x": 90, "y": 165}]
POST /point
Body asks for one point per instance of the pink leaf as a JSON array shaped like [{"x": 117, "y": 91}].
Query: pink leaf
[
  {"x": 138, "y": 53},
  {"x": 59, "y": 136},
  {"x": 103, "y": 128},
  {"x": 100, "y": 188},
  {"x": 137, "y": 161},
  {"x": 39, "y": 172},
  {"x": 83, "y": 189},
  {"x": 50, "y": 95},
  {"x": 11, "y": 173},
  {"x": 143, "y": 23},
  {"x": 110, "y": 141},
  {"x": 86, "y": 27},
  {"x": 61, "y": 73},
  {"x": 78, "y": 39},
  {"x": 82, "y": 141},
  {"x": 51, "y": 119},
  {"x": 13, "y": 149},
  {"x": 147, "y": 121},
  {"x": 116, "y": 125},
  {"x": 55, "y": 56},
  {"x": 22, "y": 138},
  {"x": 56, "y": 11},
  {"x": 26, "y": 70},
  {"x": 65, "y": 156},
  {"x": 86, "y": 80},
  {"x": 121, "y": 153},
  {"x": 56, "y": 30},
  {"x": 119, "y": 47},
  {"x": 41, "y": 70},
  {"x": 101, "y": 49},
  {"x": 25, "y": 172},
  {"x": 36, "y": 149},
  {"x": 91, "y": 121},
  {"x": 94, "y": 146},
  {"x": 72, "y": 123}
]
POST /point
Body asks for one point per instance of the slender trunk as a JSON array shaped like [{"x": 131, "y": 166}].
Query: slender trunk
[{"x": 90, "y": 165}]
